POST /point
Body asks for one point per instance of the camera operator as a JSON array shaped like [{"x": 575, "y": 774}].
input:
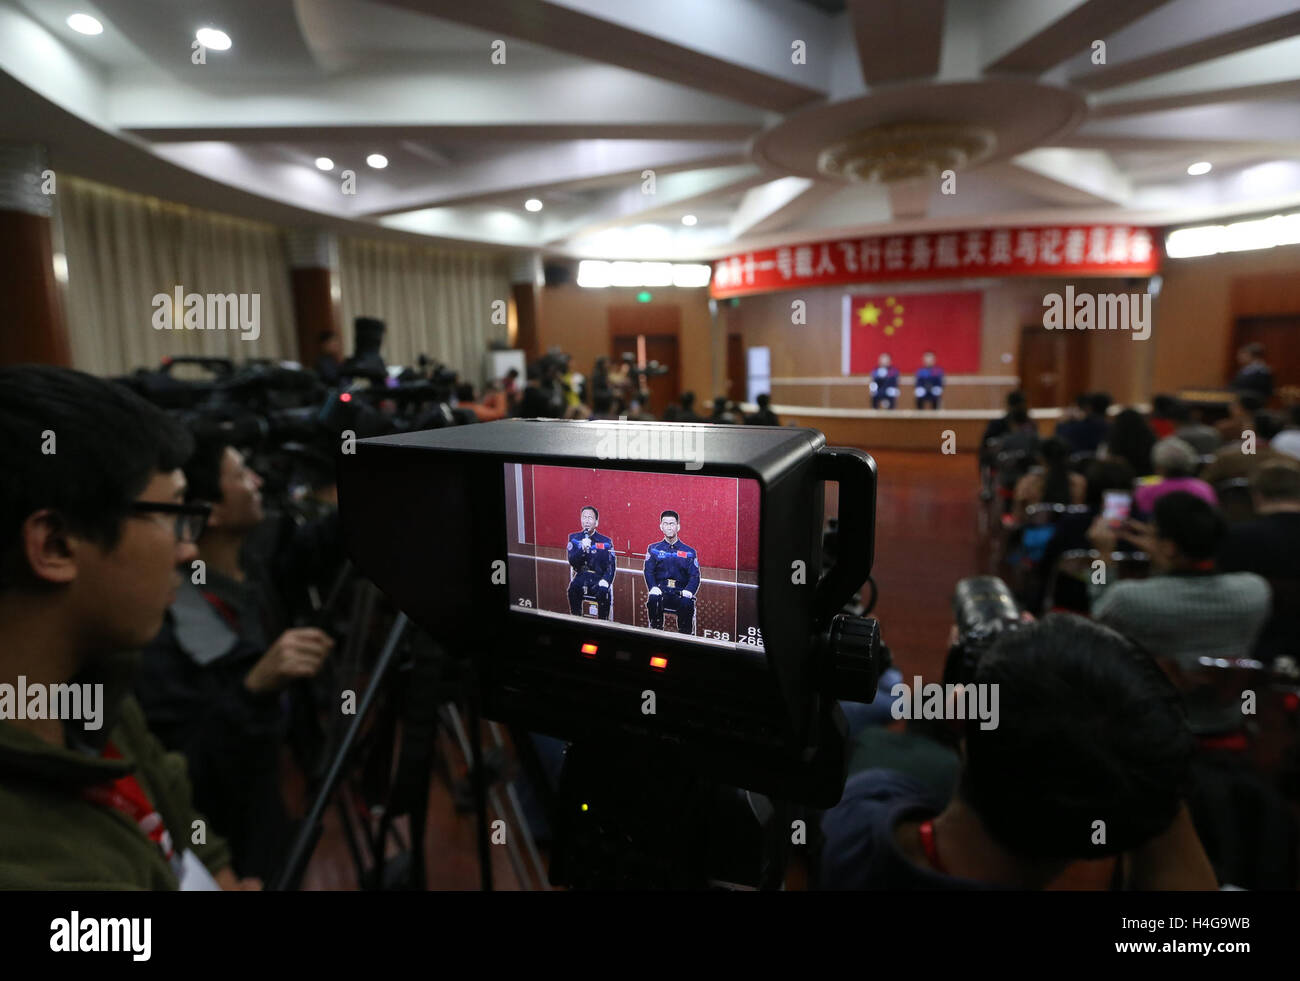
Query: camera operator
[
  {"x": 212, "y": 679},
  {"x": 92, "y": 528},
  {"x": 331, "y": 356},
  {"x": 1090, "y": 759}
]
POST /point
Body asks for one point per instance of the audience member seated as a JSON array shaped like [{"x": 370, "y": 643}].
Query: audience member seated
[
  {"x": 484, "y": 411},
  {"x": 90, "y": 540},
  {"x": 1111, "y": 473},
  {"x": 722, "y": 412},
  {"x": 764, "y": 416},
  {"x": 1069, "y": 587},
  {"x": 1270, "y": 547},
  {"x": 1240, "y": 417},
  {"x": 686, "y": 412},
  {"x": 999, "y": 427},
  {"x": 1051, "y": 483},
  {"x": 1086, "y": 428},
  {"x": 603, "y": 407},
  {"x": 1089, "y": 730},
  {"x": 1232, "y": 462},
  {"x": 211, "y": 681},
  {"x": 1202, "y": 438},
  {"x": 1189, "y": 609},
  {"x": 1162, "y": 422},
  {"x": 1175, "y": 463},
  {"x": 1288, "y": 440},
  {"x": 1132, "y": 440}
]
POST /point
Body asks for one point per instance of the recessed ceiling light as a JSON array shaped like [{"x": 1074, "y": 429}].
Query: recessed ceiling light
[
  {"x": 689, "y": 219},
  {"x": 532, "y": 204},
  {"x": 1197, "y": 169},
  {"x": 212, "y": 38},
  {"x": 324, "y": 163},
  {"x": 377, "y": 160},
  {"x": 85, "y": 24}
]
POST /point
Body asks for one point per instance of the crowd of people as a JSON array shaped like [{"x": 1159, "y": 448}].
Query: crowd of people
[
  {"x": 1150, "y": 548},
  {"x": 1149, "y": 694},
  {"x": 554, "y": 389}
]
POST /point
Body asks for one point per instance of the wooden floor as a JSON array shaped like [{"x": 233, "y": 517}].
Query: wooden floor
[{"x": 926, "y": 541}]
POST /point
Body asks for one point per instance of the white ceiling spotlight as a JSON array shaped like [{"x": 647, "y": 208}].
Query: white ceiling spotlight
[
  {"x": 1197, "y": 169},
  {"x": 532, "y": 204},
  {"x": 212, "y": 39},
  {"x": 85, "y": 24},
  {"x": 324, "y": 163},
  {"x": 689, "y": 220},
  {"x": 377, "y": 160}
]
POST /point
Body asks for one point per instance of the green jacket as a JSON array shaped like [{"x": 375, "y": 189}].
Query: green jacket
[{"x": 53, "y": 838}]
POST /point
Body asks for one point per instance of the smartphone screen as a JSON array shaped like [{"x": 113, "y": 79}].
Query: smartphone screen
[{"x": 1115, "y": 507}]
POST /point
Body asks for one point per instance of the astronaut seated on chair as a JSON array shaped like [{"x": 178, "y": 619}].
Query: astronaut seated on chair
[
  {"x": 672, "y": 577},
  {"x": 592, "y": 562}
]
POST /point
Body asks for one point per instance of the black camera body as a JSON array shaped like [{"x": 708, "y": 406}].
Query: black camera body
[{"x": 424, "y": 517}]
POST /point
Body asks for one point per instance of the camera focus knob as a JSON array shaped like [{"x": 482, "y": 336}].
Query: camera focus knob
[{"x": 857, "y": 657}]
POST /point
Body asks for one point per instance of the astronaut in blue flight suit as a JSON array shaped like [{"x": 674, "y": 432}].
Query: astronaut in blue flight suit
[
  {"x": 929, "y": 382},
  {"x": 672, "y": 575},
  {"x": 591, "y": 555},
  {"x": 884, "y": 383}
]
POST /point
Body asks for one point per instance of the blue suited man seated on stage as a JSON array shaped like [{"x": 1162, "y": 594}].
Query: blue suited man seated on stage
[
  {"x": 929, "y": 382},
  {"x": 591, "y": 556},
  {"x": 884, "y": 384},
  {"x": 672, "y": 574}
]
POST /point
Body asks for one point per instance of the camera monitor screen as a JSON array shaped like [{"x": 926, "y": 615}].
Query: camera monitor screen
[{"x": 648, "y": 551}]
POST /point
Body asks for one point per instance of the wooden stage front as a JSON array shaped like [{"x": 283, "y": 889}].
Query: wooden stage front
[{"x": 903, "y": 429}]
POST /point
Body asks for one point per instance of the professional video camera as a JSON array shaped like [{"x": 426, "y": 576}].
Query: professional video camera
[{"x": 465, "y": 530}]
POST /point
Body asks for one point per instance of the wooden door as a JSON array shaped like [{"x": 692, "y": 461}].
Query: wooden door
[
  {"x": 1050, "y": 373},
  {"x": 653, "y": 329},
  {"x": 737, "y": 373}
]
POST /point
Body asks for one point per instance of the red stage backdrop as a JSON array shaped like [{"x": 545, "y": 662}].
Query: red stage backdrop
[
  {"x": 907, "y": 325},
  {"x": 719, "y": 515},
  {"x": 1055, "y": 250}
]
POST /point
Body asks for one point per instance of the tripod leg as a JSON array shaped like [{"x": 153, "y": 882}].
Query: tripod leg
[
  {"x": 494, "y": 800},
  {"x": 309, "y": 833},
  {"x": 517, "y": 813}
]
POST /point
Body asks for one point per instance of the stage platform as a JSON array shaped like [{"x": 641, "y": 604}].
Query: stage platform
[{"x": 903, "y": 429}]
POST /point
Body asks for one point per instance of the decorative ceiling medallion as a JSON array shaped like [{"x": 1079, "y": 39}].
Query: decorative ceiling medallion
[{"x": 905, "y": 151}]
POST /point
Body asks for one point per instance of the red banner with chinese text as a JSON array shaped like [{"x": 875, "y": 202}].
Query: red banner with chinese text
[
  {"x": 905, "y": 326},
  {"x": 1053, "y": 250}
]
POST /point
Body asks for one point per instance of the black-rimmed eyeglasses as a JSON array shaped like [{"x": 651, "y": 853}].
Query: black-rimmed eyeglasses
[{"x": 191, "y": 519}]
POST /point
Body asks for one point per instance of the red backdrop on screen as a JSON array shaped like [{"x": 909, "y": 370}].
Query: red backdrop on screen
[
  {"x": 906, "y": 325},
  {"x": 719, "y": 515}
]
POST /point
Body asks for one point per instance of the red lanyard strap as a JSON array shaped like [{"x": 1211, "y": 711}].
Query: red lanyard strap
[
  {"x": 127, "y": 796},
  {"x": 931, "y": 848}
]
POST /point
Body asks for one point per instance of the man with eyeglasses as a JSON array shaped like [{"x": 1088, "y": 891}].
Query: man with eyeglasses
[
  {"x": 93, "y": 525},
  {"x": 212, "y": 679}
]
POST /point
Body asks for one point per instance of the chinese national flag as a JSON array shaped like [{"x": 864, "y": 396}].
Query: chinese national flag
[{"x": 906, "y": 325}]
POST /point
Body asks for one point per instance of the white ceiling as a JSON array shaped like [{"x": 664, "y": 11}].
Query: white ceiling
[{"x": 703, "y": 92}]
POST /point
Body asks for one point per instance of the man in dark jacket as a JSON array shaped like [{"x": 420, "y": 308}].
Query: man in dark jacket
[
  {"x": 212, "y": 678},
  {"x": 92, "y": 528}
]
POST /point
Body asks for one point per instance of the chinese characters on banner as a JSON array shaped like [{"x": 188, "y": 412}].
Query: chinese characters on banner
[{"x": 1052, "y": 250}]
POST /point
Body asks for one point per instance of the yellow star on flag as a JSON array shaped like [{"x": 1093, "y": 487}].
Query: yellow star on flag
[{"x": 870, "y": 314}]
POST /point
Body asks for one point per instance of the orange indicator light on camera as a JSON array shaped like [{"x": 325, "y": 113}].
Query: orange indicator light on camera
[
  {"x": 658, "y": 663},
  {"x": 589, "y": 650}
]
